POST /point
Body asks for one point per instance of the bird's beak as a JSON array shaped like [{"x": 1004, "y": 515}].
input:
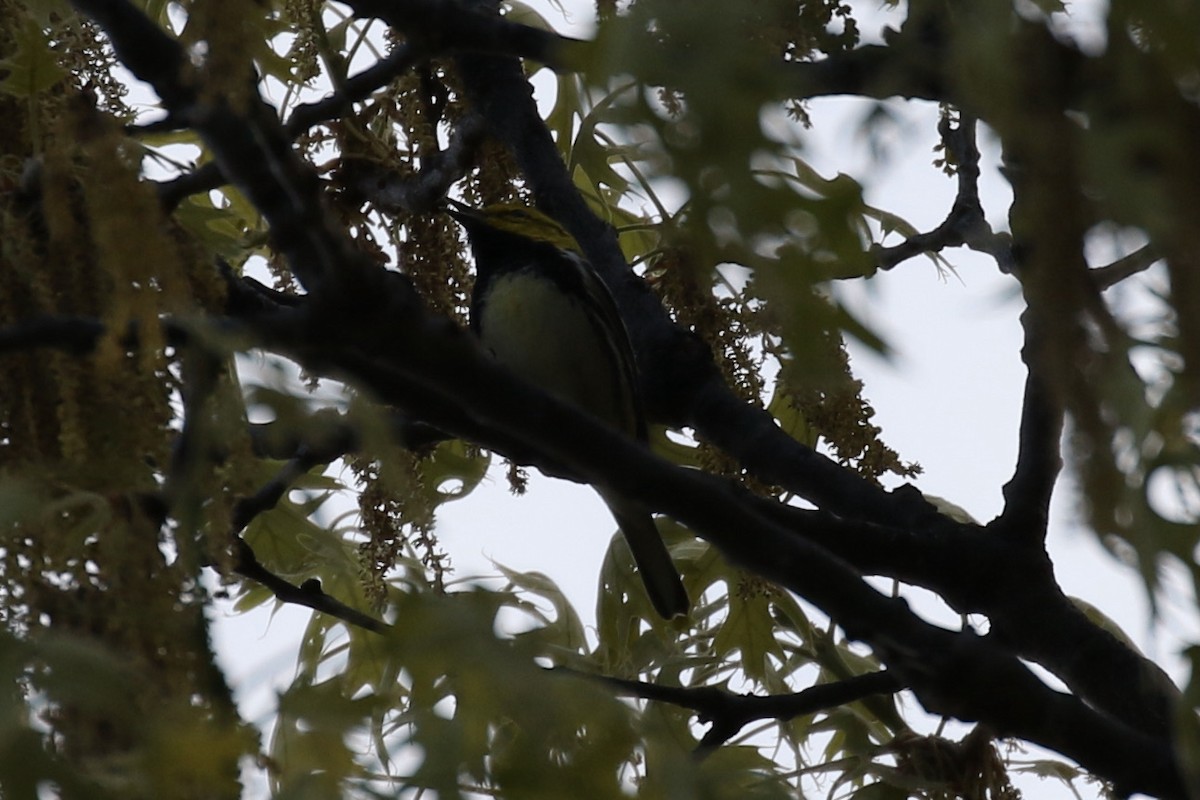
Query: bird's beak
[{"x": 461, "y": 212}]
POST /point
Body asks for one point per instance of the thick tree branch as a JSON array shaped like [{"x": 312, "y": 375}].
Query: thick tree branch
[
  {"x": 1039, "y": 622},
  {"x": 976, "y": 570},
  {"x": 328, "y": 435},
  {"x": 1006, "y": 575},
  {"x": 902, "y": 68},
  {"x": 449, "y": 26}
]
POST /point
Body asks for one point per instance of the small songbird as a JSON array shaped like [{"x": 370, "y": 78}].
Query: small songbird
[{"x": 542, "y": 311}]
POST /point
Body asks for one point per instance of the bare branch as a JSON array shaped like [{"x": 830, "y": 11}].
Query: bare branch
[
  {"x": 729, "y": 712},
  {"x": 1039, "y": 459},
  {"x": 309, "y": 594},
  {"x": 966, "y": 223},
  {"x": 1138, "y": 261}
]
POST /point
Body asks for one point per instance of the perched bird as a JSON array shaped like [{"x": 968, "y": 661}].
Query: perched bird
[{"x": 542, "y": 311}]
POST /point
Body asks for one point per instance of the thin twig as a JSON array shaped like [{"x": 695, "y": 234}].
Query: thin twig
[
  {"x": 309, "y": 594},
  {"x": 729, "y": 712},
  {"x": 209, "y": 176},
  {"x": 405, "y": 193},
  {"x": 1139, "y": 260}
]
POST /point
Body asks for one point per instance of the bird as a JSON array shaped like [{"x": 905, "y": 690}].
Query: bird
[{"x": 542, "y": 311}]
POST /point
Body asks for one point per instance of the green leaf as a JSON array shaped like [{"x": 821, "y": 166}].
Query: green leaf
[
  {"x": 220, "y": 230},
  {"x": 33, "y": 67},
  {"x": 750, "y": 632},
  {"x": 790, "y": 418},
  {"x": 566, "y": 632}
]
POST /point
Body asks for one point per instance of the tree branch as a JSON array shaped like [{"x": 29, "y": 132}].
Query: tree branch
[
  {"x": 683, "y": 367},
  {"x": 398, "y": 193},
  {"x": 729, "y": 712},
  {"x": 309, "y": 594},
  {"x": 73, "y": 334},
  {"x": 966, "y": 223},
  {"x": 448, "y": 26},
  {"x": 355, "y": 88},
  {"x": 1139, "y": 260},
  {"x": 249, "y": 147},
  {"x": 901, "y": 68},
  {"x": 1028, "y": 493},
  {"x": 974, "y": 569}
]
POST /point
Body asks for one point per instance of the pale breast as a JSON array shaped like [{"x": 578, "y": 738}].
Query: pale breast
[{"x": 549, "y": 340}]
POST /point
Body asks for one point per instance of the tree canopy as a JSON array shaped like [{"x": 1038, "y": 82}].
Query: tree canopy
[{"x": 235, "y": 364}]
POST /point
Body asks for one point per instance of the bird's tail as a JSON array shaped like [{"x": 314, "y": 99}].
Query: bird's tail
[{"x": 658, "y": 572}]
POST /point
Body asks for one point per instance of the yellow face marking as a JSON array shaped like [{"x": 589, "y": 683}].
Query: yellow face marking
[{"x": 530, "y": 223}]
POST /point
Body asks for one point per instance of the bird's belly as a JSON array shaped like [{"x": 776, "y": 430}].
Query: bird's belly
[{"x": 550, "y": 341}]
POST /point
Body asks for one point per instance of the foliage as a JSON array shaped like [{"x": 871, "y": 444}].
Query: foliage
[{"x": 234, "y": 363}]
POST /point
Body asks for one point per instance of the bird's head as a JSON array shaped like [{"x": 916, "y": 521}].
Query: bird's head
[{"x": 516, "y": 220}]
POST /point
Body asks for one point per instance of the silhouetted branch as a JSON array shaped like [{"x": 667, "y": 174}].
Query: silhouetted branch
[
  {"x": 309, "y": 594},
  {"x": 359, "y": 86},
  {"x": 439, "y": 373},
  {"x": 966, "y": 223},
  {"x": 391, "y": 191},
  {"x": 448, "y": 26},
  {"x": 435, "y": 27},
  {"x": 1139, "y": 260},
  {"x": 369, "y": 327},
  {"x": 249, "y": 145},
  {"x": 1039, "y": 459},
  {"x": 1028, "y": 493},
  {"x": 304, "y": 116},
  {"x": 78, "y": 335},
  {"x": 729, "y": 713},
  {"x": 269, "y": 494}
]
